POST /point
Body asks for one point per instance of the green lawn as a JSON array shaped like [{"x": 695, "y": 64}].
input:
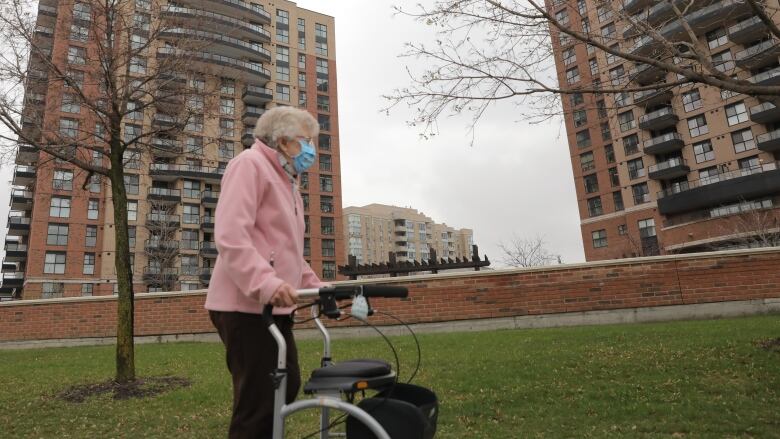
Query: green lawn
[{"x": 704, "y": 379}]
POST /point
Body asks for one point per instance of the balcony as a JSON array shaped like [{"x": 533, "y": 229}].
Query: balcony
[
  {"x": 24, "y": 175},
  {"x": 748, "y": 30},
  {"x": 164, "y": 195},
  {"x": 658, "y": 120},
  {"x": 44, "y": 31},
  {"x": 209, "y": 198},
  {"x": 163, "y": 121},
  {"x": 166, "y": 147},
  {"x": 18, "y": 226},
  {"x": 664, "y": 144},
  {"x": 49, "y": 11},
  {"x": 769, "y": 142},
  {"x": 21, "y": 199},
  {"x": 634, "y": 6},
  {"x": 765, "y": 113},
  {"x": 168, "y": 102},
  {"x": 769, "y": 77},
  {"x": 171, "y": 81},
  {"x": 15, "y": 251},
  {"x": 710, "y": 14},
  {"x": 248, "y": 138},
  {"x": 160, "y": 275},
  {"x": 728, "y": 187},
  {"x": 219, "y": 22},
  {"x": 159, "y": 221},
  {"x": 651, "y": 98},
  {"x": 207, "y": 223},
  {"x": 161, "y": 246},
  {"x": 227, "y": 45},
  {"x": 251, "y": 114},
  {"x": 205, "y": 275},
  {"x": 7, "y": 293},
  {"x": 646, "y": 74},
  {"x": 208, "y": 249},
  {"x": 171, "y": 172},
  {"x": 211, "y": 63},
  {"x": 672, "y": 168},
  {"x": 27, "y": 154},
  {"x": 234, "y": 8},
  {"x": 13, "y": 279},
  {"x": 758, "y": 55},
  {"x": 255, "y": 95}
]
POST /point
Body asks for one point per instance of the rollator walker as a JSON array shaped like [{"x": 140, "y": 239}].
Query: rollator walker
[{"x": 398, "y": 411}]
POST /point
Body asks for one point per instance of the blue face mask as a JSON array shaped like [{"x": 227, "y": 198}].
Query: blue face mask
[{"x": 305, "y": 159}]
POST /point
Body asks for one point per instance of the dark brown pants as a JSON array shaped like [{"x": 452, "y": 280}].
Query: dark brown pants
[{"x": 251, "y": 357}]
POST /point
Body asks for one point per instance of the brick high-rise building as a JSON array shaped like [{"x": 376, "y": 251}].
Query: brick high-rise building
[
  {"x": 675, "y": 169},
  {"x": 374, "y": 231},
  {"x": 61, "y": 237}
]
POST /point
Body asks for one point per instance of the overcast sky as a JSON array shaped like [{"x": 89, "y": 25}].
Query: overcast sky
[{"x": 516, "y": 179}]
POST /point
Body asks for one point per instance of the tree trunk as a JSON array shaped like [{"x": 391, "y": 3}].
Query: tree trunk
[{"x": 125, "y": 356}]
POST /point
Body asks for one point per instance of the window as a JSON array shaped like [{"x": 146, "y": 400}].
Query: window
[
  {"x": 562, "y": 17},
  {"x": 138, "y": 65},
  {"x": 573, "y": 75},
  {"x": 627, "y": 121},
  {"x": 283, "y": 54},
  {"x": 301, "y": 61},
  {"x": 131, "y": 159},
  {"x": 323, "y": 103},
  {"x": 591, "y": 183},
  {"x": 135, "y": 111},
  {"x": 306, "y": 224},
  {"x": 189, "y": 265},
  {"x": 617, "y": 199},
  {"x": 703, "y": 151},
  {"x": 282, "y": 17},
  {"x": 189, "y": 239},
  {"x": 89, "y": 263},
  {"x": 92, "y": 209},
  {"x": 227, "y": 86},
  {"x": 622, "y": 99},
  {"x": 586, "y": 162},
  {"x": 326, "y": 204},
  {"x": 606, "y": 134},
  {"x": 604, "y": 13},
  {"x": 698, "y": 126},
  {"x": 70, "y": 104},
  {"x": 90, "y": 236},
  {"x": 132, "y": 184},
  {"x": 611, "y": 59},
  {"x": 594, "y": 66},
  {"x": 622, "y": 229},
  {"x": 749, "y": 165},
  {"x": 283, "y": 35},
  {"x": 141, "y": 21},
  {"x": 227, "y": 106},
  {"x": 646, "y": 227},
  {"x": 631, "y": 144},
  {"x": 63, "y": 180},
  {"x": 717, "y": 38},
  {"x": 326, "y": 183},
  {"x": 191, "y": 214},
  {"x": 305, "y": 198},
  {"x": 608, "y": 32},
  {"x": 743, "y": 140},
  {"x": 322, "y": 85},
  {"x": 194, "y": 123},
  {"x": 283, "y": 92},
  {"x": 636, "y": 168},
  {"x": 327, "y": 225},
  {"x": 321, "y": 48},
  {"x": 82, "y": 11},
  {"x": 723, "y": 62},
  {"x": 581, "y": 7},
  {"x": 614, "y": 177},
  {"x": 54, "y": 263},
  {"x": 74, "y": 78},
  {"x": 226, "y": 150},
  {"x": 320, "y": 30},
  {"x": 580, "y": 118},
  {"x": 322, "y": 66},
  {"x": 583, "y": 139},
  {"x": 132, "y": 210},
  {"x": 191, "y": 189},
  {"x": 306, "y": 247},
  {"x": 609, "y": 153},
  {"x": 709, "y": 175},
  {"x": 304, "y": 181},
  {"x": 577, "y": 99},
  {"x": 736, "y": 113},
  {"x": 599, "y": 238},
  {"x": 51, "y": 290},
  {"x": 328, "y": 270},
  {"x": 641, "y": 193},
  {"x": 87, "y": 289},
  {"x": 69, "y": 127},
  {"x": 302, "y": 101},
  {"x": 569, "y": 56},
  {"x": 323, "y": 142},
  {"x": 282, "y": 73},
  {"x": 324, "y": 121},
  {"x": 138, "y": 42},
  {"x": 302, "y": 80},
  {"x": 57, "y": 234},
  {"x": 77, "y": 55},
  {"x": 326, "y": 162},
  {"x": 227, "y": 128},
  {"x": 692, "y": 100},
  {"x": 131, "y": 236},
  {"x": 601, "y": 109},
  {"x": 328, "y": 248},
  {"x": 594, "y": 207}
]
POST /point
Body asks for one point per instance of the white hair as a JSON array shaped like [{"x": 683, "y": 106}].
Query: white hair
[{"x": 285, "y": 122}]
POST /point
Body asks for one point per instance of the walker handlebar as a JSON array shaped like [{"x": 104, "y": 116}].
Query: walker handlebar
[{"x": 342, "y": 293}]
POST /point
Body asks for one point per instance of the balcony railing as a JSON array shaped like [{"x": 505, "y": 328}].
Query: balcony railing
[
  {"x": 723, "y": 176},
  {"x": 671, "y": 163},
  {"x": 236, "y": 23},
  {"x": 19, "y": 220},
  {"x": 164, "y": 192}
]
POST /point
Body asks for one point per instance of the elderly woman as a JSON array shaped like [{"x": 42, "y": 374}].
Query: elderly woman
[{"x": 259, "y": 235}]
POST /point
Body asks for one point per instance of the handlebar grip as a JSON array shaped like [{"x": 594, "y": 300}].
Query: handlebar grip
[
  {"x": 268, "y": 315},
  {"x": 385, "y": 291}
]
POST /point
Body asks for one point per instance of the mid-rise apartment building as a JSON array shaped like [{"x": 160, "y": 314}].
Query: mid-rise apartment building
[
  {"x": 373, "y": 232},
  {"x": 60, "y": 236},
  {"x": 670, "y": 169}
]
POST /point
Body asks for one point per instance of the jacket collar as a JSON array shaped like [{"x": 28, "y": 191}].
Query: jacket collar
[{"x": 277, "y": 161}]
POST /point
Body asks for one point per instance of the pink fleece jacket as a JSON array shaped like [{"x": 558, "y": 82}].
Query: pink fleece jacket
[{"x": 259, "y": 235}]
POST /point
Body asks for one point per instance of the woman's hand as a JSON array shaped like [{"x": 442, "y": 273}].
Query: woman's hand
[{"x": 285, "y": 296}]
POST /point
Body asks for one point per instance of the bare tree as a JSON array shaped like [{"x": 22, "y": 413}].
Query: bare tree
[
  {"x": 527, "y": 252},
  {"x": 502, "y": 50},
  {"x": 753, "y": 227},
  {"x": 123, "y": 81}
]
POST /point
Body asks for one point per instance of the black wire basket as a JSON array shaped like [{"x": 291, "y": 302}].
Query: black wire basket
[{"x": 406, "y": 411}]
